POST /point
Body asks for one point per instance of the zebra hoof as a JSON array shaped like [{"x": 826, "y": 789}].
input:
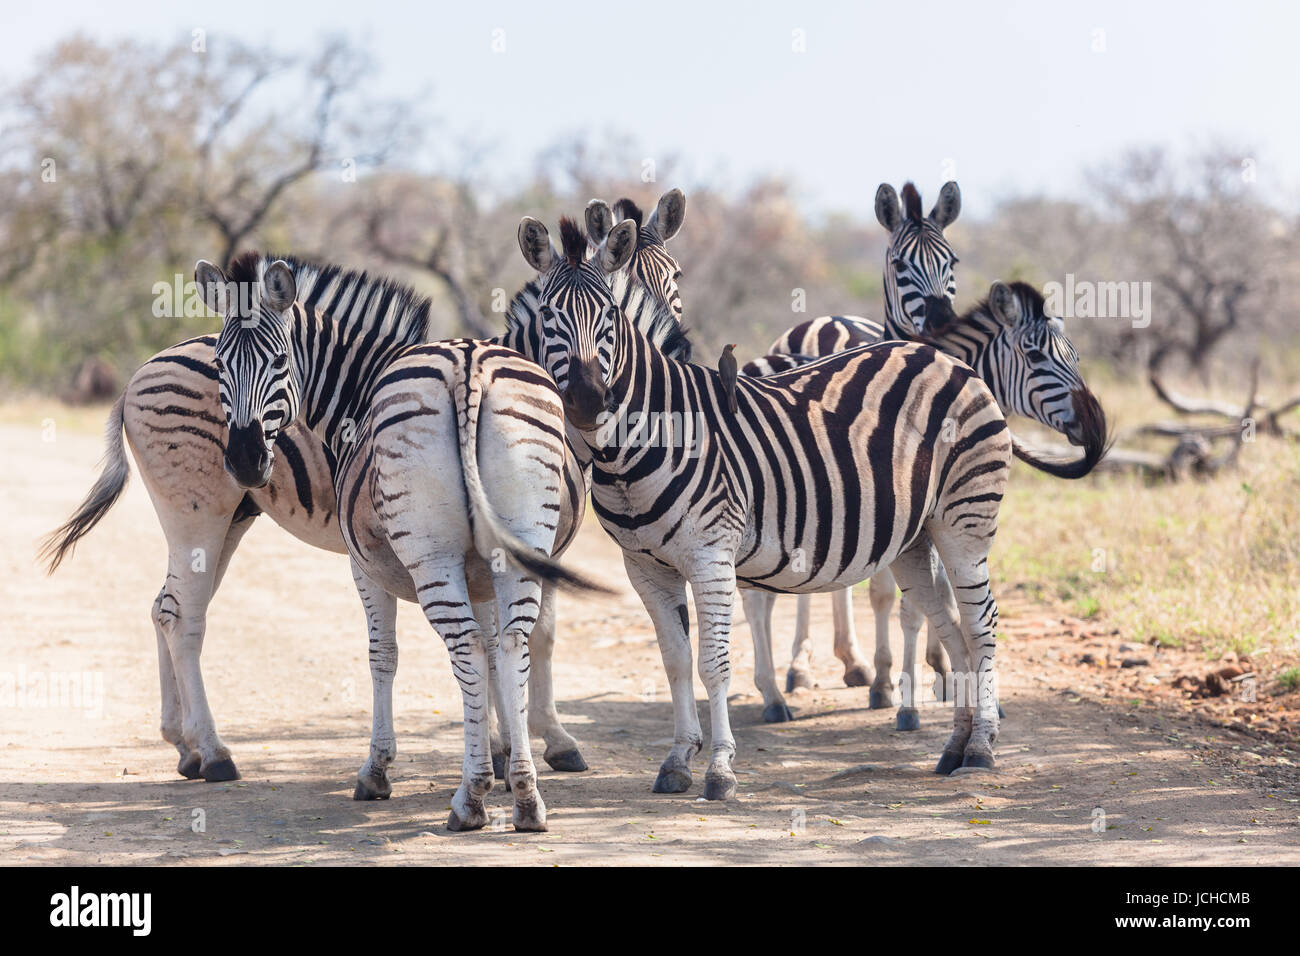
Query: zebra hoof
[
  {"x": 718, "y": 786},
  {"x": 499, "y": 762},
  {"x": 458, "y": 824},
  {"x": 567, "y": 761},
  {"x": 795, "y": 679},
  {"x": 1001, "y": 713},
  {"x": 189, "y": 767},
  {"x": 908, "y": 719},
  {"x": 530, "y": 818},
  {"x": 372, "y": 788},
  {"x": 857, "y": 676},
  {"x": 219, "y": 771},
  {"x": 672, "y": 780},
  {"x": 981, "y": 761},
  {"x": 948, "y": 762},
  {"x": 879, "y": 699},
  {"x": 777, "y": 714}
]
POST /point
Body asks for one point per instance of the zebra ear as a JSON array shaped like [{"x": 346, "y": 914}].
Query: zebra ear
[
  {"x": 600, "y": 220},
  {"x": 668, "y": 215},
  {"x": 535, "y": 243},
  {"x": 888, "y": 211},
  {"x": 615, "y": 252},
  {"x": 948, "y": 208},
  {"x": 278, "y": 285},
  {"x": 212, "y": 286},
  {"x": 1004, "y": 304}
]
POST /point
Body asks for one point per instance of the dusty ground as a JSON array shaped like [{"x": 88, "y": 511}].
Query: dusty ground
[{"x": 286, "y": 673}]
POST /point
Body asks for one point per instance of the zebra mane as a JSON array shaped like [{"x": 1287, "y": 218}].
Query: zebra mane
[
  {"x": 573, "y": 241},
  {"x": 627, "y": 209},
  {"x": 912, "y": 202},
  {"x": 400, "y": 313}
]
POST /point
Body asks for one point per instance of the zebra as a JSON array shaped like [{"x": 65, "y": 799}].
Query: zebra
[
  {"x": 1032, "y": 369},
  {"x": 919, "y": 283},
  {"x": 450, "y": 477},
  {"x": 170, "y": 415},
  {"x": 827, "y": 473}
]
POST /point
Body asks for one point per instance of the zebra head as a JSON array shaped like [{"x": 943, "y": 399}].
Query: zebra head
[
  {"x": 919, "y": 280},
  {"x": 1039, "y": 368},
  {"x": 652, "y": 265},
  {"x": 577, "y": 310},
  {"x": 254, "y": 359}
]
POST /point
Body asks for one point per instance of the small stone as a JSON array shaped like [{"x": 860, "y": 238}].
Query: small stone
[{"x": 1134, "y": 662}]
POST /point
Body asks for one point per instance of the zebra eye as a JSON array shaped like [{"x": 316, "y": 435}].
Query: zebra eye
[
  {"x": 280, "y": 361},
  {"x": 1035, "y": 355},
  {"x": 220, "y": 365}
]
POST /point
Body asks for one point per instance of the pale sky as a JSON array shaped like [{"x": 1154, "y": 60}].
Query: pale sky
[{"x": 1010, "y": 97}]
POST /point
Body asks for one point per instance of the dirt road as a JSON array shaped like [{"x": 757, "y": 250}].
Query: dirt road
[{"x": 91, "y": 782}]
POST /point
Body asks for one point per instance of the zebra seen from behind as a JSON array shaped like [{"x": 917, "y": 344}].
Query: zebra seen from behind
[
  {"x": 450, "y": 476},
  {"x": 824, "y": 474},
  {"x": 170, "y": 414}
]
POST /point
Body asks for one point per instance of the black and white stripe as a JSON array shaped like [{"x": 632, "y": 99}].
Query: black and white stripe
[{"x": 823, "y": 475}]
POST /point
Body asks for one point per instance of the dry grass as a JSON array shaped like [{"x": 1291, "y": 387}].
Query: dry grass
[{"x": 1212, "y": 564}]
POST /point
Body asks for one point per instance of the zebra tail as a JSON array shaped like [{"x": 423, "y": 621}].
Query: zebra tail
[
  {"x": 1093, "y": 452},
  {"x": 1096, "y": 441},
  {"x": 489, "y": 533},
  {"x": 61, "y": 542}
]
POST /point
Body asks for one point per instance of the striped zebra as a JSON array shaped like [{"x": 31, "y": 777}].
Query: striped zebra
[
  {"x": 859, "y": 461},
  {"x": 919, "y": 283},
  {"x": 1032, "y": 369},
  {"x": 450, "y": 476},
  {"x": 170, "y": 414}
]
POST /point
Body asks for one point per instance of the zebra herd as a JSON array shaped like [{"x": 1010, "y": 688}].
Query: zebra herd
[{"x": 455, "y": 474}]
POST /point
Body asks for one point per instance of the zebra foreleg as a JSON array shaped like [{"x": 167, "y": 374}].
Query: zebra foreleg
[
  {"x": 381, "y": 621},
  {"x": 169, "y": 610},
  {"x": 915, "y": 570},
  {"x": 882, "y": 589},
  {"x": 192, "y": 583},
  {"x": 857, "y": 672},
  {"x": 561, "y": 749},
  {"x": 799, "y": 673},
  {"x": 663, "y": 592},
  {"x": 758, "y": 612},
  {"x": 967, "y": 562},
  {"x": 714, "y": 587}
]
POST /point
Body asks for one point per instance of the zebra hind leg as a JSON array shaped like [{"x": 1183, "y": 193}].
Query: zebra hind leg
[
  {"x": 562, "y": 751},
  {"x": 758, "y": 612},
  {"x": 857, "y": 672},
  {"x": 909, "y": 682},
  {"x": 166, "y": 610},
  {"x": 519, "y": 601},
  {"x": 799, "y": 673},
  {"x": 882, "y": 589},
  {"x": 444, "y": 596}
]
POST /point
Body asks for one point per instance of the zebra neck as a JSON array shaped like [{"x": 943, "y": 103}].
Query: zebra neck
[
  {"x": 338, "y": 363},
  {"x": 975, "y": 338}
]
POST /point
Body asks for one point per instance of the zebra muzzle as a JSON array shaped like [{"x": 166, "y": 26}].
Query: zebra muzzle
[
  {"x": 586, "y": 396},
  {"x": 247, "y": 458}
]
